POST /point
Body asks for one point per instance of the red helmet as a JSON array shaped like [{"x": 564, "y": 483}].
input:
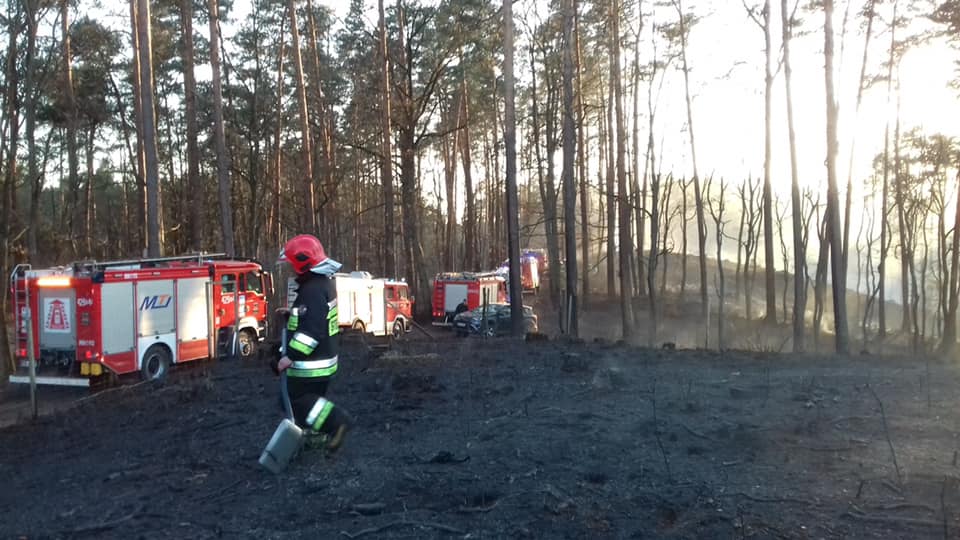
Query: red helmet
[{"x": 303, "y": 252}]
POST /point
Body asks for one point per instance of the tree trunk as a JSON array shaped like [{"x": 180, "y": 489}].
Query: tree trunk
[
  {"x": 799, "y": 247},
  {"x": 611, "y": 202},
  {"x": 885, "y": 203},
  {"x": 11, "y": 110},
  {"x": 768, "y": 261},
  {"x": 73, "y": 164},
  {"x": 683, "y": 236},
  {"x": 510, "y": 143},
  {"x": 870, "y": 13},
  {"x": 569, "y": 188},
  {"x": 409, "y": 189},
  {"x": 224, "y": 187},
  {"x": 949, "y": 341},
  {"x": 583, "y": 154},
  {"x": 654, "y": 207},
  {"x": 449, "y": 149},
  {"x": 701, "y": 221},
  {"x": 274, "y": 223},
  {"x": 309, "y": 196},
  {"x": 139, "y": 239},
  {"x": 642, "y": 192},
  {"x": 906, "y": 251},
  {"x": 386, "y": 153},
  {"x": 471, "y": 251},
  {"x": 194, "y": 186},
  {"x": 89, "y": 201},
  {"x": 149, "y": 129},
  {"x": 833, "y": 206},
  {"x": 625, "y": 239},
  {"x": 30, "y": 125}
]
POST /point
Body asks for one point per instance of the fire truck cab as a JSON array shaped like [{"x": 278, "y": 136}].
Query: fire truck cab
[
  {"x": 95, "y": 319},
  {"x": 474, "y": 288}
]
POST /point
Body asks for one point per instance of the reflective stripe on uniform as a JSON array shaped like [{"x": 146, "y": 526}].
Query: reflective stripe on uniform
[
  {"x": 318, "y": 413},
  {"x": 293, "y": 322},
  {"x": 332, "y": 304},
  {"x": 315, "y": 364},
  {"x": 311, "y": 373},
  {"x": 303, "y": 343}
]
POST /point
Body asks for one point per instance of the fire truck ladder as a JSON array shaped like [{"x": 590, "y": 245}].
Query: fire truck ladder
[
  {"x": 198, "y": 257},
  {"x": 21, "y": 300}
]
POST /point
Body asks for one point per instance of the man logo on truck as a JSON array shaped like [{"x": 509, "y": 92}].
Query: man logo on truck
[{"x": 157, "y": 301}]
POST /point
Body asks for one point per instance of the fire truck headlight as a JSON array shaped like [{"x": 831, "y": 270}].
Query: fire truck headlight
[
  {"x": 84, "y": 368},
  {"x": 96, "y": 369}
]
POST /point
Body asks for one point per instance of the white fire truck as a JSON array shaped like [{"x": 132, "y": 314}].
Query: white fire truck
[
  {"x": 376, "y": 306},
  {"x": 98, "y": 319}
]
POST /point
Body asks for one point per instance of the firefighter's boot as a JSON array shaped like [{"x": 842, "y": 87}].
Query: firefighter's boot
[{"x": 340, "y": 425}]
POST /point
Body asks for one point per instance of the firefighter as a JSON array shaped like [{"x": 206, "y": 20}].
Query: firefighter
[{"x": 312, "y": 343}]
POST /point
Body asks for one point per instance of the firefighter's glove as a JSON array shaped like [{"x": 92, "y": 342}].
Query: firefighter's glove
[{"x": 283, "y": 364}]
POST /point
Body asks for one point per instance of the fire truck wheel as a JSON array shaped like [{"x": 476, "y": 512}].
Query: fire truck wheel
[
  {"x": 248, "y": 344},
  {"x": 397, "y": 329},
  {"x": 156, "y": 363},
  {"x": 359, "y": 326}
]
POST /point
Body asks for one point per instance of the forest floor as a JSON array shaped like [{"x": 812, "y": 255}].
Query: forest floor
[{"x": 501, "y": 438}]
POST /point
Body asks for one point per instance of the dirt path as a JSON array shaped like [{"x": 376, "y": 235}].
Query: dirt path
[{"x": 505, "y": 439}]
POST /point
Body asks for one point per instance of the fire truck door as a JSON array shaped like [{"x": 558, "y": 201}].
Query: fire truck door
[
  {"x": 192, "y": 318},
  {"x": 225, "y": 297},
  {"x": 453, "y": 295},
  {"x": 57, "y": 319},
  {"x": 254, "y": 294},
  {"x": 118, "y": 335},
  {"x": 156, "y": 315}
]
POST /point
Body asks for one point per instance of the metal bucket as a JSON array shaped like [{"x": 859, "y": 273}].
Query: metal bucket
[
  {"x": 288, "y": 437},
  {"x": 283, "y": 447}
]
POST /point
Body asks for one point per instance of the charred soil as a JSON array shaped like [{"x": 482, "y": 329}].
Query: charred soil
[{"x": 501, "y": 438}]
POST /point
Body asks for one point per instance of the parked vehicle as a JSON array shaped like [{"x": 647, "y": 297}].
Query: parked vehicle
[
  {"x": 496, "y": 321},
  {"x": 450, "y": 289},
  {"x": 95, "y": 319},
  {"x": 374, "y": 305}
]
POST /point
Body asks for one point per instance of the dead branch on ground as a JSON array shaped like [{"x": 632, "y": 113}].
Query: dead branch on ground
[{"x": 886, "y": 433}]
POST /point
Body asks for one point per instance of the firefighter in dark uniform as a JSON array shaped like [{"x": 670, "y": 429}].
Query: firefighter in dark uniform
[{"x": 312, "y": 342}]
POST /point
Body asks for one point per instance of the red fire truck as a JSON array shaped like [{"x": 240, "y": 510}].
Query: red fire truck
[
  {"x": 374, "y": 305},
  {"x": 452, "y": 288},
  {"x": 98, "y": 319}
]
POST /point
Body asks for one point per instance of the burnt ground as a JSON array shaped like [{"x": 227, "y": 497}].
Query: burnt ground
[{"x": 498, "y": 438}]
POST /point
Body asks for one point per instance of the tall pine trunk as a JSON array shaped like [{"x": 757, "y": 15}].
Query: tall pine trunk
[
  {"x": 582, "y": 154},
  {"x": 224, "y": 187},
  {"x": 624, "y": 214},
  {"x": 194, "y": 185},
  {"x": 73, "y": 164},
  {"x": 471, "y": 251},
  {"x": 30, "y": 125},
  {"x": 768, "y": 261},
  {"x": 885, "y": 202},
  {"x": 799, "y": 246},
  {"x": 148, "y": 129},
  {"x": 569, "y": 188},
  {"x": 833, "y": 204},
  {"x": 308, "y": 195},
  {"x": 698, "y": 196},
  {"x": 510, "y": 144},
  {"x": 386, "y": 152}
]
